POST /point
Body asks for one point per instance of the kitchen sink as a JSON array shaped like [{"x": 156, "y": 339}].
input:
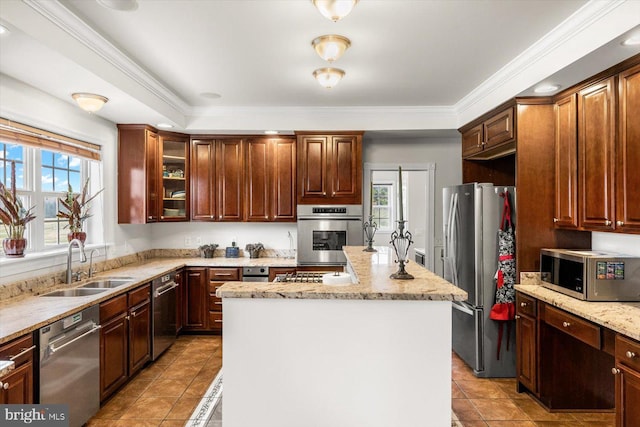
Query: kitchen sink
[
  {"x": 109, "y": 283},
  {"x": 75, "y": 292}
]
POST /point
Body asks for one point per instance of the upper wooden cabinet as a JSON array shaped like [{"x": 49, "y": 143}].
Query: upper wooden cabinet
[
  {"x": 203, "y": 180},
  {"x": 494, "y": 137},
  {"x": 229, "y": 179},
  {"x": 566, "y": 177},
  {"x": 329, "y": 168},
  {"x": 144, "y": 193}
]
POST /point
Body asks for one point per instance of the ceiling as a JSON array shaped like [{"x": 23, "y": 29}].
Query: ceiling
[{"x": 413, "y": 65}]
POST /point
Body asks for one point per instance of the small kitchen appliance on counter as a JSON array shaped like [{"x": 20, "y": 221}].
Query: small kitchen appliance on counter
[{"x": 591, "y": 275}]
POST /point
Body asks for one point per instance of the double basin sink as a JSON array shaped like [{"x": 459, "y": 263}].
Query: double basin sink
[{"x": 91, "y": 288}]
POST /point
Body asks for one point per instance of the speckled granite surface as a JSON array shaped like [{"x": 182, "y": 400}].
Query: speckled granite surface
[
  {"x": 372, "y": 272},
  {"x": 22, "y": 311},
  {"x": 6, "y": 366},
  {"x": 618, "y": 316}
]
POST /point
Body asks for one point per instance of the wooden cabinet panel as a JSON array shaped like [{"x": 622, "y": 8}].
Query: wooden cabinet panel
[
  {"x": 628, "y": 152},
  {"x": 492, "y": 138},
  {"x": 173, "y": 177},
  {"x": 114, "y": 345},
  {"x": 196, "y": 299},
  {"x": 526, "y": 305},
  {"x": 225, "y": 274},
  {"x": 472, "y": 141},
  {"x": 628, "y": 352},
  {"x": 627, "y": 397},
  {"x": 566, "y": 167},
  {"x": 596, "y": 136},
  {"x": 151, "y": 173},
  {"x": 526, "y": 358},
  {"x": 283, "y": 180},
  {"x": 139, "y": 336},
  {"x": 346, "y": 169},
  {"x": 258, "y": 196},
  {"x": 215, "y": 321},
  {"x": 17, "y": 387},
  {"x": 203, "y": 184},
  {"x": 582, "y": 330},
  {"x": 229, "y": 164},
  {"x": 499, "y": 129},
  {"x": 312, "y": 167}
]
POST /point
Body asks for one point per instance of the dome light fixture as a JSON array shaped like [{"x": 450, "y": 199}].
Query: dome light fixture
[
  {"x": 334, "y": 10},
  {"x": 164, "y": 125},
  {"x": 632, "y": 41},
  {"x": 328, "y": 77},
  {"x": 331, "y": 47},
  {"x": 546, "y": 88},
  {"x": 270, "y": 132},
  {"x": 89, "y": 101}
]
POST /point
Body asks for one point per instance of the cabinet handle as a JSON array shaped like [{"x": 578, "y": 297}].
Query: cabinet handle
[
  {"x": 615, "y": 371},
  {"x": 523, "y": 304},
  {"x": 630, "y": 354},
  {"x": 620, "y": 223},
  {"x": 162, "y": 217},
  {"x": 222, "y": 274},
  {"x": 211, "y": 216},
  {"x": 22, "y": 353},
  {"x": 217, "y": 303},
  {"x": 607, "y": 222},
  {"x": 128, "y": 317},
  {"x": 566, "y": 324},
  {"x": 517, "y": 316},
  {"x": 4, "y": 385},
  {"x": 150, "y": 217},
  {"x": 217, "y": 321},
  {"x": 555, "y": 220}
]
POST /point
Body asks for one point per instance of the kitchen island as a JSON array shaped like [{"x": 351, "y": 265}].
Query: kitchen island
[{"x": 373, "y": 353}]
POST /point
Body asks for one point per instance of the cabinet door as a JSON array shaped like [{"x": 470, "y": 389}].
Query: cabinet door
[
  {"x": 566, "y": 206},
  {"x": 526, "y": 359},
  {"x": 179, "y": 300},
  {"x": 346, "y": 169},
  {"x": 627, "y": 397},
  {"x": 312, "y": 168},
  {"x": 596, "y": 135},
  {"x": 174, "y": 176},
  {"x": 203, "y": 188},
  {"x": 472, "y": 141},
  {"x": 283, "y": 180},
  {"x": 152, "y": 175},
  {"x": 628, "y": 153},
  {"x": 114, "y": 341},
  {"x": 196, "y": 301},
  {"x": 499, "y": 129},
  {"x": 139, "y": 336},
  {"x": 17, "y": 387},
  {"x": 229, "y": 179},
  {"x": 257, "y": 195}
]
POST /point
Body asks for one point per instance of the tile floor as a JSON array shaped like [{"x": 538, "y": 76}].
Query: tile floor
[{"x": 167, "y": 392}]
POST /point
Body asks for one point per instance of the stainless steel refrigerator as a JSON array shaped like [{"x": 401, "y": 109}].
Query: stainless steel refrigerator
[{"x": 471, "y": 220}]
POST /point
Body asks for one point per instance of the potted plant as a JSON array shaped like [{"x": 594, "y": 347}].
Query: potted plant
[
  {"x": 14, "y": 217},
  {"x": 76, "y": 210}
]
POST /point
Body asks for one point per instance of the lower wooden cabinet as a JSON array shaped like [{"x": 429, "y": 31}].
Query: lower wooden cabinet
[
  {"x": 17, "y": 386},
  {"x": 217, "y": 278},
  {"x": 627, "y": 373},
  {"x": 195, "y": 300},
  {"x": 526, "y": 343},
  {"x": 125, "y": 338}
]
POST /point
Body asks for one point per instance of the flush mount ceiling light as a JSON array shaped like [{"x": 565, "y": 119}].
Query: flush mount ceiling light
[
  {"x": 331, "y": 47},
  {"x": 164, "y": 125},
  {"x": 546, "y": 88},
  {"x": 270, "y": 132},
  {"x": 328, "y": 77},
  {"x": 89, "y": 101},
  {"x": 632, "y": 41},
  {"x": 4, "y": 30},
  {"x": 334, "y": 9}
]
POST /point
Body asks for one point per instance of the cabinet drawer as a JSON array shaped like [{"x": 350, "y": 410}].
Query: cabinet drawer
[
  {"x": 139, "y": 295},
  {"x": 113, "y": 307},
  {"x": 224, "y": 274},
  {"x": 526, "y": 305},
  {"x": 628, "y": 352},
  {"x": 19, "y": 350},
  {"x": 215, "y": 303},
  {"x": 215, "y": 320},
  {"x": 578, "y": 328}
]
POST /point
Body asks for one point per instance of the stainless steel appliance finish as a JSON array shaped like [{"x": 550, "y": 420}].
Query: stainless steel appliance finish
[
  {"x": 301, "y": 277},
  {"x": 324, "y": 230},
  {"x": 471, "y": 219},
  {"x": 70, "y": 364},
  {"x": 591, "y": 275},
  {"x": 255, "y": 274},
  {"x": 419, "y": 256},
  {"x": 163, "y": 305}
]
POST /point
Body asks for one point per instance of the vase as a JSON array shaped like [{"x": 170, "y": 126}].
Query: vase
[
  {"x": 14, "y": 248},
  {"x": 80, "y": 235}
]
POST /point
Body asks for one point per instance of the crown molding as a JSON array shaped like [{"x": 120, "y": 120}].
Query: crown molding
[{"x": 66, "y": 20}]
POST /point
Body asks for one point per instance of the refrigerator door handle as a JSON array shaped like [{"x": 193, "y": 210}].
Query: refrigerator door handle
[{"x": 460, "y": 306}]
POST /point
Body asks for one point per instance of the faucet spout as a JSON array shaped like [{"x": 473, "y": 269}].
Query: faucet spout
[{"x": 83, "y": 257}]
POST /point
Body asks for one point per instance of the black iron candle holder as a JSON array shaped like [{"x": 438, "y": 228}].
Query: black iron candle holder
[
  {"x": 401, "y": 240},
  {"x": 370, "y": 228}
]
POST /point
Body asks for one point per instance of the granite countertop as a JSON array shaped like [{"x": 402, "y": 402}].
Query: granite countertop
[
  {"x": 27, "y": 313},
  {"x": 371, "y": 271},
  {"x": 6, "y": 366},
  {"x": 621, "y": 317}
]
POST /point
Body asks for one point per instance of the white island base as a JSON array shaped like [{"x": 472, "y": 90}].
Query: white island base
[{"x": 336, "y": 363}]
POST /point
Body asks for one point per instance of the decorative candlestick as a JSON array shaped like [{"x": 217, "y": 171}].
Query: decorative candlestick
[
  {"x": 401, "y": 240},
  {"x": 370, "y": 228},
  {"x": 400, "y": 208}
]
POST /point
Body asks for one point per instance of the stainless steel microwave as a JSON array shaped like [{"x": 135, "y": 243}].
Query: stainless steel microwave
[{"x": 591, "y": 275}]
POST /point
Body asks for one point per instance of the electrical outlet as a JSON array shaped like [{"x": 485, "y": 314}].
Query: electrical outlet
[
  {"x": 187, "y": 241},
  {"x": 199, "y": 241}
]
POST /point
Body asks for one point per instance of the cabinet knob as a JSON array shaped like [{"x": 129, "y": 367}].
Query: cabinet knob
[
  {"x": 523, "y": 304},
  {"x": 128, "y": 317},
  {"x": 566, "y": 324},
  {"x": 4, "y": 385},
  {"x": 619, "y": 223},
  {"x": 555, "y": 219},
  {"x": 162, "y": 217},
  {"x": 517, "y": 316},
  {"x": 150, "y": 217},
  {"x": 630, "y": 354},
  {"x": 211, "y": 216},
  {"x": 607, "y": 222},
  {"x": 615, "y": 371}
]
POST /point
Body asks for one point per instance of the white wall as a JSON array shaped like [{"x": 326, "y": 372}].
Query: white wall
[{"x": 614, "y": 242}]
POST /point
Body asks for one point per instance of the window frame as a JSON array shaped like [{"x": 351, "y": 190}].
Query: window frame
[{"x": 390, "y": 206}]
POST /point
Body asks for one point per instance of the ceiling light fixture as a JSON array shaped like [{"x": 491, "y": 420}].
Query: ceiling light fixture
[
  {"x": 164, "y": 125},
  {"x": 328, "y": 77},
  {"x": 331, "y": 47},
  {"x": 334, "y": 9},
  {"x": 4, "y": 30},
  {"x": 270, "y": 132},
  {"x": 632, "y": 41},
  {"x": 123, "y": 5},
  {"x": 89, "y": 101},
  {"x": 546, "y": 88},
  {"x": 210, "y": 95}
]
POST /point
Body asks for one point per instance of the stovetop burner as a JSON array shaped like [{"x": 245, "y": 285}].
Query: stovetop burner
[{"x": 301, "y": 277}]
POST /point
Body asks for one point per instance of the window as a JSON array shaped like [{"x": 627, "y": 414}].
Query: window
[{"x": 383, "y": 206}]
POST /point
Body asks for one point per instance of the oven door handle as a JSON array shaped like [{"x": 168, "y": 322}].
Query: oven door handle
[
  {"x": 331, "y": 218},
  {"x": 166, "y": 288}
]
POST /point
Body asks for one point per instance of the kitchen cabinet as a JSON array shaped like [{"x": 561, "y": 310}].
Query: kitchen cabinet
[
  {"x": 17, "y": 386},
  {"x": 217, "y": 278},
  {"x": 526, "y": 343},
  {"x": 229, "y": 177},
  {"x": 494, "y": 137},
  {"x": 203, "y": 180},
  {"x": 270, "y": 179},
  {"x": 566, "y": 162},
  {"x": 125, "y": 338},
  {"x": 627, "y": 372},
  {"x": 329, "y": 168},
  {"x": 145, "y": 195},
  {"x": 628, "y": 152},
  {"x": 196, "y": 295}
]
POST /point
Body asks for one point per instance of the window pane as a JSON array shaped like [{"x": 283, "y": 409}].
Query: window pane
[
  {"x": 60, "y": 180},
  {"x": 384, "y": 224},
  {"x": 61, "y": 160},
  {"x": 2, "y": 148},
  {"x": 74, "y": 178},
  {"x": 15, "y": 152},
  {"x": 74, "y": 163},
  {"x": 47, "y": 179},
  {"x": 19, "y": 175},
  {"x": 3, "y": 177},
  {"x": 47, "y": 158},
  {"x": 54, "y": 232}
]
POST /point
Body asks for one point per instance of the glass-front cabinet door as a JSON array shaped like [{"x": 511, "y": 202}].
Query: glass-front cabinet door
[{"x": 175, "y": 167}]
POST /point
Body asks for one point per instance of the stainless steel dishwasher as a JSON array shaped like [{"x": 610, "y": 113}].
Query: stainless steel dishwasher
[
  {"x": 255, "y": 274},
  {"x": 70, "y": 364},
  {"x": 163, "y": 306}
]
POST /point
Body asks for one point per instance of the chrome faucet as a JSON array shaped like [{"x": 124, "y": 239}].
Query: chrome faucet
[
  {"x": 91, "y": 270},
  {"x": 83, "y": 257}
]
